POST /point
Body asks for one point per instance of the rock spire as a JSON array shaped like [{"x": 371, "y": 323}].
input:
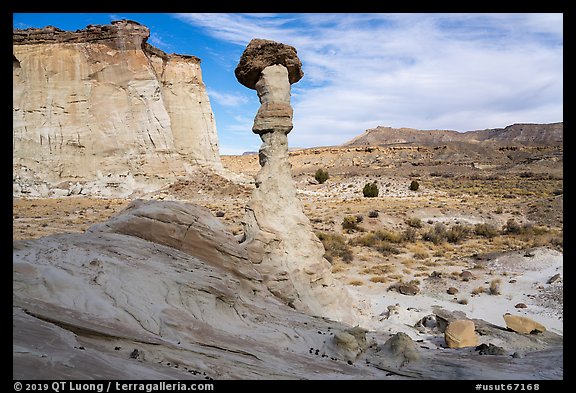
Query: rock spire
[{"x": 278, "y": 236}]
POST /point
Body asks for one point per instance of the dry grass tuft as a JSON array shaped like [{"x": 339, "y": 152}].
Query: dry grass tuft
[
  {"x": 495, "y": 286},
  {"x": 478, "y": 290},
  {"x": 379, "y": 279},
  {"x": 379, "y": 269}
]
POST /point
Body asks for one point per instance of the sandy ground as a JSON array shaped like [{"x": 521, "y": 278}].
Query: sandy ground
[{"x": 525, "y": 282}]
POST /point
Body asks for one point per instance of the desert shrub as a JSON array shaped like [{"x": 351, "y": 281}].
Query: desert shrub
[
  {"x": 530, "y": 230},
  {"x": 370, "y": 190},
  {"x": 499, "y": 210},
  {"x": 356, "y": 282},
  {"x": 359, "y": 218},
  {"x": 485, "y": 230},
  {"x": 386, "y": 248},
  {"x": 478, "y": 290},
  {"x": 414, "y": 222},
  {"x": 335, "y": 246},
  {"x": 378, "y": 279},
  {"x": 457, "y": 233},
  {"x": 409, "y": 234},
  {"x": 495, "y": 286},
  {"x": 373, "y": 214},
  {"x": 350, "y": 223},
  {"x": 414, "y": 185},
  {"x": 557, "y": 241},
  {"x": 321, "y": 175},
  {"x": 526, "y": 174},
  {"x": 437, "y": 234},
  {"x": 365, "y": 240},
  {"x": 511, "y": 227},
  {"x": 388, "y": 235},
  {"x": 382, "y": 240},
  {"x": 420, "y": 254},
  {"x": 380, "y": 269}
]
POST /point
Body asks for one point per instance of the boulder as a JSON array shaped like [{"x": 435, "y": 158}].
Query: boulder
[
  {"x": 260, "y": 54},
  {"x": 460, "y": 334},
  {"x": 397, "y": 352},
  {"x": 490, "y": 349},
  {"x": 523, "y": 325},
  {"x": 347, "y": 344},
  {"x": 408, "y": 289},
  {"x": 554, "y": 278}
]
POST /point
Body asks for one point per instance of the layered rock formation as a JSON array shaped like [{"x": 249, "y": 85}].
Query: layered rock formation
[
  {"x": 528, "y": 134},
  {"x": 103, "y": 104},
  {"x": 278, "y": 235}
]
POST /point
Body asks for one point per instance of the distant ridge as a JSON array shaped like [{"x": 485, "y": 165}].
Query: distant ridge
[{"x": 523, "y": 134}]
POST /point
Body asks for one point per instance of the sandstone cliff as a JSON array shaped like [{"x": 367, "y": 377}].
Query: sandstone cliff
[{"x": 103, "y": 108}]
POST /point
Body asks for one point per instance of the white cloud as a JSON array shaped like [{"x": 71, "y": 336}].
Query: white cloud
[
  {"x": 159, "y": 42},
  {"x": 227, "y": 99},
  {"x": 446, "y": 71}
]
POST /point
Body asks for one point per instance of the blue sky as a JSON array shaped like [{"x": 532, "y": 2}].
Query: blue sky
[{"x": 430, "y": 71}]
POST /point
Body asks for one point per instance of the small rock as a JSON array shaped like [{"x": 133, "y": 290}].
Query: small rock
[
  {"x": 521, "y": 305},
  {"x": 408, "y": 289},
  {"x": 452, "y": 290},
  {"x": 512, "y": 281},
  {"x": 466, "y": 275},
  {"x": 397, "y": 351},
  {"x": 554, "y": 278},
  {"x": 490, "y": 349},
  {"x": 517, "y": 355},
  {"x": 220, "y": 214},
  {"x": 460, "y": 334},
  {"x": 427, "y": 322},
  {"x": 134, "y": 355},
  {"x": 522, "y": 325}
]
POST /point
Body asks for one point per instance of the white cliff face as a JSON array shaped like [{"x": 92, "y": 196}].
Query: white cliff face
[
  {"x": 96, "y": 101},
  {"x": 188, "y": 107}
]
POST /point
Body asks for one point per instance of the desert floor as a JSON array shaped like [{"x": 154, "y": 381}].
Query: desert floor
[{"x": 504, "y": 229}]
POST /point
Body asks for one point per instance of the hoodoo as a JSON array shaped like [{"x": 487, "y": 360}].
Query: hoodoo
[{"x": 278, "y": 235}]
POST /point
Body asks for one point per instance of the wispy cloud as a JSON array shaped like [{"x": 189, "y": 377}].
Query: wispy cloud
[
  {"x": 21, "y": 25},
  {"x": 227, "y": 99},
  {"x": 156, "y": 40},
  {"x": 447, "y": 71}
]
